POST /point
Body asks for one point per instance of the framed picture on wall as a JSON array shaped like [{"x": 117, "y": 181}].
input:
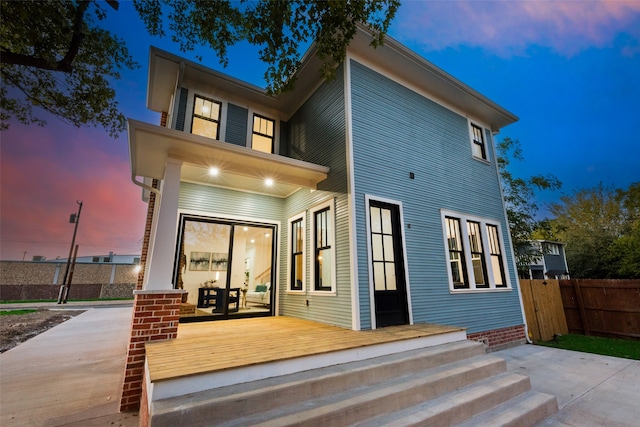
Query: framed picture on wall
[
  {"x": 199, "y": 261},
  {"x": 219, "y": 261}
]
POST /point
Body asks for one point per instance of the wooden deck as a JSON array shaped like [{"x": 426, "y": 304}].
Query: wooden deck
[{"x": 216, "y": 346}]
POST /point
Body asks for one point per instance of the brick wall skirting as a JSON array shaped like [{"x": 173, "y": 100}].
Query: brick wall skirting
[
  {"x": 499, "y": 339},
  {"x": 156, "y": 315}
]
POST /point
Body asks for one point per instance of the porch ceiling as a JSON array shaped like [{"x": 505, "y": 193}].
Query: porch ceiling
[{"x": 240, "y": 168}]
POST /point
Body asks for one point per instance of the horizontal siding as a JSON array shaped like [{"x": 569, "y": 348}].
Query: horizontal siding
[
  {"x": 397, "y": 131},
  {"x": 331, "y": 309},
  {"x": 236, "y": 130}
]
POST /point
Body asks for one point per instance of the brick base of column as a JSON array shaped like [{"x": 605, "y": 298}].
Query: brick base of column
[
  {"x": 499, "y": 339},
  {"x": 155, "y": 317}
]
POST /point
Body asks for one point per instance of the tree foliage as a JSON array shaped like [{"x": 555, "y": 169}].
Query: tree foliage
[
  {"x": 54, "y": 56},
  {"x": 280, "y": 28},
  {"x": 519, "y": 197},
  {"x": 601, "y": 229}
]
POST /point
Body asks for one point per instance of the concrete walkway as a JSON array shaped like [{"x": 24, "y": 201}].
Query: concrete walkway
[{"x": 71, "y": 375}]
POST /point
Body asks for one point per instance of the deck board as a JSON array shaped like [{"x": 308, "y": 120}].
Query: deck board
[{"x": 214, "y": 346}]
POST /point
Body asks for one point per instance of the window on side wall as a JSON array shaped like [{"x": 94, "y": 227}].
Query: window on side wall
[
  {"x": 323, "y": 250},
  {"x": 475, "y": 253},
  {"x": 262, "y": 135},
  {"x": 297, "y": 253},
  {"x": 206, "y": 117},
  {"x": 478, "y": 145}
]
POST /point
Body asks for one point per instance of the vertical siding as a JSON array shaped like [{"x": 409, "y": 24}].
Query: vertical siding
[
  {"x": 316, "y": 133},
  {"x": 182, "y": 108},
  {"x": 237, "y": 119},
  {"x": 397, "y": 131}
]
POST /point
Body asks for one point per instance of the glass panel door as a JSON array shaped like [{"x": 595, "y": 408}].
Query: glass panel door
[{"x": 225, "y": 267}]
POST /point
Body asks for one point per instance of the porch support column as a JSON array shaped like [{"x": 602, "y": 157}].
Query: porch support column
[
  {"x": 163, "y": 240},
  {"x": 156, "y": 308}
]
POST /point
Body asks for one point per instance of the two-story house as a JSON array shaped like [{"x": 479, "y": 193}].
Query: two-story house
[
  {"x": 551, "y": 264},
  {"x": 369, "y": 200}
]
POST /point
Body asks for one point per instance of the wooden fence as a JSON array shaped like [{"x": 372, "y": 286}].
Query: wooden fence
[
  {"x": 543, "y": 309},
  {"x": 609, "y": 308}
]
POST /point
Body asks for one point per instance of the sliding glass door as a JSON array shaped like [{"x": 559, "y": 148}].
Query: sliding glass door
[{"x": 226, "y": 267}]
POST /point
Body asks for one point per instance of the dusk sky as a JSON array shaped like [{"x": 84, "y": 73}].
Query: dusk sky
[{"x": 569, "y": 69}]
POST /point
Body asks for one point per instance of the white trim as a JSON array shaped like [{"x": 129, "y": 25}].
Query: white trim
[
  {"x": 412, "y": 87},
  {"x": 464, "y": 218},
  {"x": 351, "y": 201},
  {"x": 372, "y": 302},
  {"x": 470, "y": 124},
  {"x": 332, "y": 239},
  {"x": 300, "y": 216}
]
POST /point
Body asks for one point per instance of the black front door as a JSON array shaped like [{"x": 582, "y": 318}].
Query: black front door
[{"x": 387, "y": 265}]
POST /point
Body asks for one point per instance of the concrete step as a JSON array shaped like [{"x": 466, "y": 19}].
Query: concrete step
[
  {"x": 458, "y": 406},
  {"x": 224, "y": 404},
  {"x": 370, "y": 400},
  {"x": 524, "y": 410}
]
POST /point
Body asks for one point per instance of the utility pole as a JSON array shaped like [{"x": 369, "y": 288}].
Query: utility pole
[{"x": 74, "y": 218}]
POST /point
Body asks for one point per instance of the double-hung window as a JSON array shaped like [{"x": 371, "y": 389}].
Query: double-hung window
[
  {"x": 478, "y": 144},
  {"x": 323, "y": 252},
  {"x": 262, "y": 136},
  {"x": 206, "y": 117},
  {"x": 296, "y": 253},
  {"x": 475, "y": 253}
]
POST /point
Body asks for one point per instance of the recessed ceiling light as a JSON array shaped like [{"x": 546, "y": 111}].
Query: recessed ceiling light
[
  {"x": 268, "y": 182},
  {"x": 245, "y": 228},
  {"x": 266, "y": 234},
  {"x": 214, "y": 171}
]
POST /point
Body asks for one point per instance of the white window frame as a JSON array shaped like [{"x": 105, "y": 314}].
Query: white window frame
[
  {"x": 330, "y": 204},
  {"x": 485, "y": 143},
  {"x": 464, "y": 218},
  {"x": 291, "y": 220}
]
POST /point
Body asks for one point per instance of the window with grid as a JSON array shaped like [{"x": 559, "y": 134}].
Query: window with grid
[
  {"x": 495, "y": 253},
  {"x": 476, "y": 255},
  {"x": 323, "y": 254},
  {"x": 297, "y": 255},
  {"x": 457, "y": 261},
  {"x": 262, "y": 136},
  {"x": 477, "y": 135},
  {"x": 206, "y": 117}
]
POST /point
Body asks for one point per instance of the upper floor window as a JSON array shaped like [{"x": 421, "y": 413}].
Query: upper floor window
[
  {"x": 296, "y": 251},
  {"x": 206, "y": 117},
  {"x": 323, "y": 252},
  {"x": 552, "y": 249},
  {"x": 476, "y": 258},
  {"x": 262, "y": 135},
  {"x": 478, "y": 146}
]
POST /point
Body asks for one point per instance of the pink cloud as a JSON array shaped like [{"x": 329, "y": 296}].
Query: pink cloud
[
  {"x": 510, "y": 27},
  {"x": 44, "y": 171}
]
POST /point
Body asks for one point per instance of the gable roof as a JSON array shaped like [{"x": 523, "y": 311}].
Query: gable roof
[{"x": 168, "y": 71}]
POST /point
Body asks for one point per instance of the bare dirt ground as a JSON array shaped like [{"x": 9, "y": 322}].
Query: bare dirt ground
[{"x": 17, "y": 328}]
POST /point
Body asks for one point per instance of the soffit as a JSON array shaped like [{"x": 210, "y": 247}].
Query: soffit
[{"x": 241, "y": 168}]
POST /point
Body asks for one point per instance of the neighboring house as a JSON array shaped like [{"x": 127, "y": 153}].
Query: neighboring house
[
  {"x": 369, "y": 200},
  {"x": 100, "y": 259},
  {"x": 553, "y": 262}
]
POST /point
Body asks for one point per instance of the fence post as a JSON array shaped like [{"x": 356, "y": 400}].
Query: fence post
[{"x": 583, "y": 312}]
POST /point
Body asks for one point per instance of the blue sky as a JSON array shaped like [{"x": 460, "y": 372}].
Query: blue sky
[{"x": 569, "y": 69}]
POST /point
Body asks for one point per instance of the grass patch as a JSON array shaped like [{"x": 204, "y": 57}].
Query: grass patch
[
  {"x": 628, "y": 349},
  {"x": 15, "y": 312}
]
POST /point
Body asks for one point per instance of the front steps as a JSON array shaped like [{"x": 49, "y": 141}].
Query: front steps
[{"x": 444, "y": 385}]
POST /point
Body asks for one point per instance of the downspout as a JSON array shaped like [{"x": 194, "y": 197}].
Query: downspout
[{"x": 145, "y": 186}]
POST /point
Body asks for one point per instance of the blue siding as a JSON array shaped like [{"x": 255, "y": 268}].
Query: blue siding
[
  {"x": 397, "y": 131},
  {"x": 182, "y": 108},
  {"x": 237, "y": 119}
]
